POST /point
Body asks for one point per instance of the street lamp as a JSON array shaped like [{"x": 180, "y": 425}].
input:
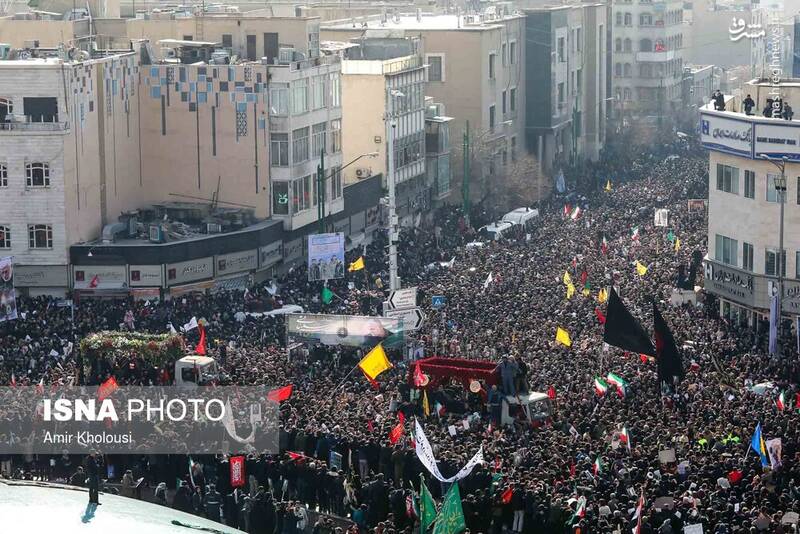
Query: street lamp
[
  {"x": 321, "y": 185},
  {"x": 780, "y": 192},
  {"x": 391, "y": 116},
  {"x": 466, "y": 150}
]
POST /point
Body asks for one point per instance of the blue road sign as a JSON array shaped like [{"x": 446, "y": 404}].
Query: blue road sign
[{"x": 438, "y": 301}]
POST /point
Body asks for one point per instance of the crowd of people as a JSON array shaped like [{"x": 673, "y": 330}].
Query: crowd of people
[{"x": 504, "y": 303}]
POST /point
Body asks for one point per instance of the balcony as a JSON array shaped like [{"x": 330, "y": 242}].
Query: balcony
[
  {"x": 34, "y": 127},
  {"x": 655, "y": 57}
]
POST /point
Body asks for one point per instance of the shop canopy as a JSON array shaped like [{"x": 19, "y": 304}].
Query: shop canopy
[{"x": 440, "y": 369}]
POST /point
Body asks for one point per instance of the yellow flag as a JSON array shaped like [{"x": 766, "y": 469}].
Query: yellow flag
[
  {"x": 567, "y": 278},
  {"x": 356, "y": 265},
  {"x": 641, "y": 269},
  {"x": 375, "y": 362},
  {"x": 570, "y": 290},
  {"x": 585, "y": 292},
  {"x": 426, "y": 407},
  {"x": 608, "y": 185},
  {"x": 602, "y": 295},
  {"x": 677, "y": 244},
  {"x": 562, "y": 336}
]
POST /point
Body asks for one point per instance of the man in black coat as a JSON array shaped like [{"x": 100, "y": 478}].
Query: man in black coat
[{"x": 93, "y": 478}]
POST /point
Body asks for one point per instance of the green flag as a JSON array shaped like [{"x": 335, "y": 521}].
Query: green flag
[
  {"x": 327, "y": 295},
  {"x": 451, "y": 517},
  {"x": 671, "y": 236},
  {"x": 427, "y": 507}
]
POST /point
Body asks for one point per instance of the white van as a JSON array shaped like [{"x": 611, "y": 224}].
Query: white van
[
  {"x": 192, "y": 370},
  {"x": 522, "y": 216},
  {"x": 496, "y": 230}
]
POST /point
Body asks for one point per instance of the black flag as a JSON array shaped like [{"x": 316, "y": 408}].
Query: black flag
[
  {"x": 623, "y": 330},
  {"x": 669, "y": 359}
]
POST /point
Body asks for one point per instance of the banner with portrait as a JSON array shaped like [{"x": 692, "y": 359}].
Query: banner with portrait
[
  {"x": 8, "y": 296},
  {"x": 350, "y": 330},
  {"x": 325, "y": 256}
]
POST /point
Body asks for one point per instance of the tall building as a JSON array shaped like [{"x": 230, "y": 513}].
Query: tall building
[
  {"x": 566, "y": 91},
  {"x": 648, "y": 58},
  {"x": 743, "y": 267}
]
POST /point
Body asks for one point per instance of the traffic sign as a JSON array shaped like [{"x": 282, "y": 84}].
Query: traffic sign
[
  {"x": 412, "y": 317},
  {"x": 438, "y": 301},
  {"x": 402, "y": 298}
]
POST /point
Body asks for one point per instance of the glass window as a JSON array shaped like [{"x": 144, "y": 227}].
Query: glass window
[
  {"x": 512, "y": 52},
  {"x": 279, "y": 99},
  {"x": 318, "y": 139},
  {"x": 5, "y": 236},
  {"x": 491, "y": 116},
  {"x": 512, "y": 99},
  {"x": 747, "y": 256},
  {"x": 435, "y": 72},
  {"x": 280, "y": 198},
  {"x": 492, "y": 58},
  {"x": 503, "y": 102},
  {"x": 336, "y": 183},
  {"x": 336, "y": 90},
  {"x": 37, "y": 174},
  {"x": 227, "y": 40},
  {"x": 504, "y": 54},
  {"x": 40, "y": 236},
  {"x": 301, "y": 194},
  {"x": 279, "y": 149},
  {"x": 772, "y": 195},
  {"x": 299, "y": 145},
  {"x": 3, "y": 175},
  {"x": 336, "y": 136},
  {"x": 561, "y": 57},
  {"x": 318, "y": 92},
  {"x": 749, "y": 184},
  {"x": 299, "y": 96},
  {"x": 771, "y": 262},
  {"x": 728, "y": 179},
  {"x": 726, "y": 249}
]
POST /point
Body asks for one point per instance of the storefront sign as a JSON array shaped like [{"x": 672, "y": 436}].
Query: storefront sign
[
  {"x": 270, "y": 255},
  {"x": 146, "y": 275},
  {"x": 777, "y": 140},
  {"x": 293, "y": 250},
  {"x": 41, "y": 276},
  {"x": 99, "y": 276},
  {"x": 189, "y": 271},
  {"x": 342, "y": 226},
  {"x": 726, "y": 135},
  {"x": 730, "y": 283},
  {"x": 236, "y": 262}
]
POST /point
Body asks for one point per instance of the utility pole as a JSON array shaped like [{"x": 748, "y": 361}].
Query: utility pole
[
  {"x": 321, "y": 191},
  {"x": 466, "y": 179},
  {"x": 575, "y": 132},
  {"x": 780, "y": 191},
  {"x": 394, "y": 280},
  {"x": 660, "y": 100}
]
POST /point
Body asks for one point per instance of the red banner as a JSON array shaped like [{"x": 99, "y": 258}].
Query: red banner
[
  {"x": 237, "y": 471},
  {"x": 107, "y": 388}
]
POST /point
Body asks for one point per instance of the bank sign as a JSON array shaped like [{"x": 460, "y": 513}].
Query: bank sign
[
  {"x": 728, "y": 135},
  {"x": 777, "y": 140}
]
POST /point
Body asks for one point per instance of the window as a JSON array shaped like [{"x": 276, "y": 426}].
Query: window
[
  {"x": 749, "y": 184},
  {"x": 514, "y": 148},
  {"x": 336, "y": 89},
  {"x": 771, "y": 262},
  {"x": 512, "y": 99},
  {"x": 504, "y": 54},
  {"x": 579, "y": 80},
  {"x": 299, "y": 145},
  {"x": 336, "y": 183},
  {"x": 5, "y": 236},
  {"x": 772, "y": 195},
  {"x": 561, "y": 94},
  {"x": 796, "y": 261},
  {"x": 491, "y": 116},
  {"x": 627, "y": 70},
  {"x": 318, "y": 139},
  {"x": 336, "y": 135},
  {"x": 578, "y": 39},
  {"x": 618, "y": 19},
  {"x": 512, "y": 52},
  {"x": 37, "y": 175},
  {"x": 503, "y": 104},
  {"x": 645, "y": 19},
  {"x": 645, "y": 45},
  {"x": 747, "y": 256},
  {"x": 628, "y": 45},
  {"x": 279, "y": 149},
  {"x": 6, "y": 108},
  {"x": 561, "y": 57},
  {"x": 492, "y": 61},
  {"x": 727, "y": 179},
  {"x": 628, "y": 19},
  {"x": 3, "y": 175},
  {"x": 301, "y": 194},
  {"x": 435, "y": 68},
  {"x": 279, "y": 99},
  {"x": 798, "y": 183},
  {"x": 318, "y": 92},
  {"x": 618, "y": 70},
  {"x": 618, "y": 45},
  {"x": 40, "y": 236},
  {"x": 628, "y": 94},
  {"x": 299, "y": 96},
  {"x": 280, "y": 198},
  {"x": 725, "y": 249},
  {"x": 227, "y": 40}
]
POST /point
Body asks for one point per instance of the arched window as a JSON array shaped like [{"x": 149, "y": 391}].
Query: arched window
[
  {"x": 645, "y": 45},
  {"x": 618, "y": 70},
  {"x": 619, "y": 19},
  {"x": 618, "y": 45},
  {"x": 628, "y": 45}
]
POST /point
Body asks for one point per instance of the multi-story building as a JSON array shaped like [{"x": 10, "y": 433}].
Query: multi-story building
[
  {"x": 475, "y": 70},
  {"x": 567, "y": 79},
  {"x": 647, "y": 57},
  {"x": 437, "y": 150},
  {"x": 744, "y": 267}
]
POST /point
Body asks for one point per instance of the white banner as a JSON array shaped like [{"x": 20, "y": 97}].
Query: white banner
[
  {"x": 661, "y": 218},
  {"x": 775, "y": 449},
  {"x": 425, "y": 455}
]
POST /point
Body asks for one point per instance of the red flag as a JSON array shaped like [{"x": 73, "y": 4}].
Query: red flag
[
  {"x": 237, "y": 471},
  {"x": 551, "y": 393},
  {"x": 107, "y": 388},
  {"x": 797, "y": 400},
  {"x": 296, "y": 456},
  {"x": 584, "y": 276},
  {"x": 734, "y": 476},
  {"x": 497, "y": 463},
  {"x": 419, "y": 378},
  {"x": 201, "y": 345},
  {"x": 396, "y": 433},
  {"x": 280, "y": 394},
  {"x": 600, "y": 317},
  {"x": 643, "y": 358},
  {"x": 507, "y": 494},
  {"x": 402, "y": 418},
  {"x": 13, "y": 380},
  {"x": 572, "y": 469},
  {"x": 94, "y": 282},
  {"x": 370, "y": 426}
]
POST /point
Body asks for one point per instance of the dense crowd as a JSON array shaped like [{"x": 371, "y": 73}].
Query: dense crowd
[{"x": 707, "y": 419}]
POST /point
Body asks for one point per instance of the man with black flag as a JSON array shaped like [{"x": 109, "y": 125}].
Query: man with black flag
[{"x": 669, "y": 359}]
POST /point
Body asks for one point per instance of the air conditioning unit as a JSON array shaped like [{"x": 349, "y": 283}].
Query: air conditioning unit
[
  {"x": 156, "y": 234},
  {"x": 363, "y": 172},
  {"x": 213, "y": 228},
  {"x": 285, "y": 55}
]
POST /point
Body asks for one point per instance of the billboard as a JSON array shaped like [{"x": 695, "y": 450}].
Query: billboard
[
  {"x": 724, "y": 134},
  {"x": 777, "y": 140},
  {"x": 351, "y": 330},
  {"x": 8, "y": 296},
  {"x": 325, "y": 256}
]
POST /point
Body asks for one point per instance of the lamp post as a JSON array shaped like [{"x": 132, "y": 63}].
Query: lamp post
[
  {"x": 321, "y": 178},
  {"x": 780, "y": 192},
  {"x": 394, "y": 279}
]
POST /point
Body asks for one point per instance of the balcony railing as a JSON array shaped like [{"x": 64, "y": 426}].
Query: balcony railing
[{"x": 34, "y": 126}]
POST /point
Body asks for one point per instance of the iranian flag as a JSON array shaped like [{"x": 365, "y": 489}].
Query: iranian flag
[
  {"x": 597, "y": 466},
  {"x": 635, "y": 233},
  {"x": 580, "y": 511},
  {"x": 604, "y": 245},
  {"x": 576, "y": 213},
  {"x": 638, "y": 515},
  {"x": 600, "y": 386},
  {"x": 620, "y": 383},
  {"x": 625, "y": 437},
  {"x": 567, "y": 210},
  {"x": 781, "y": 402}
]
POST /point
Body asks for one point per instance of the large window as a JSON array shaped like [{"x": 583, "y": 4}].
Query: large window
[
  {"x": 725, "y": 249},
  {"x": 409, "y": 149},
  {"x": 727, "y": 179},
  {"x": 336, "y": 183},
  {"x": 301, "y": 194},
  {"x": 279, "y": 149},
  {"x": 336, "y": 136},
  {"x": 435, "y": 68},
  {"x": 40, "y": 236},
  {"x": 749, "y": 184},
  {"x": 492, "y": 116},
  {"x": 512, "y": 55},
  {"x": 318, "y": 92},
  {"x": 37, "y": 175},
  {"x": 561, "y": 57},
  {"x": 299, "y": 96},
  {"x": 6, "y": 108},
  {"x": 772, "y": 195},
  {"x": 299, "y": 145},
  {"x": 492, "y": 61},
  {"x": 279, "y": 99},
  {"x": 5, "y": 236},
  {"x": 280, "y": 198},
  {"x": 318, "y": 139},
  {"x": 645, "y": 19},
  {"x": 512, "y": 99},
  {"x": 747, "y": 256},
  {"x": 771, "y": 262},
  {"x": 335, "y": 83},
  {"x": 503, "y": 106},
  {"x": 618, "y": 45},
  {"x": 3, "y": 175}
]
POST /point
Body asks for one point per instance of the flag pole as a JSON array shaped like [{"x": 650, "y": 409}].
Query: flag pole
[{"x": 345, "y": 377}]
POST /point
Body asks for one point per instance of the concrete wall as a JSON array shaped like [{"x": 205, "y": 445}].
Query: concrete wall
[
  {"x": 363, "y": 107},
  {"x": 49, "y": 33}
]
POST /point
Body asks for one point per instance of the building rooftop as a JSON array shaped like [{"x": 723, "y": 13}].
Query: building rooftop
[{"x": 424, "y": 21}]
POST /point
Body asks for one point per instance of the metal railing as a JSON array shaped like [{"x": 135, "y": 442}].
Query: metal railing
[{"x": 33, "y": 126}]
